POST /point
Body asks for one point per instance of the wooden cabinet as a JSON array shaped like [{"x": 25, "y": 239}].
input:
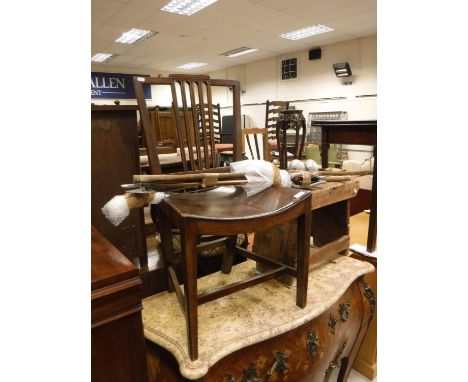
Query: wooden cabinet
[
  {"x": 261, "y": 335},
  {"x": 366, "y": 360},
  {"x": 114, "y": 161},
  {"x": 117, "y": 342}
]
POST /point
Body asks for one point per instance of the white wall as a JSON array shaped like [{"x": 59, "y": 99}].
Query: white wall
[{"x": 261, "y": 81}]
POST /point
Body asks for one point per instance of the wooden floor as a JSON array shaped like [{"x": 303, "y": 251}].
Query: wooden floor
[{"x": 358, "y": 228}]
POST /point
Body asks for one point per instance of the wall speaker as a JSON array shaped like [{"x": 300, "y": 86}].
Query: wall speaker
[{"x": 315, "y": 54}]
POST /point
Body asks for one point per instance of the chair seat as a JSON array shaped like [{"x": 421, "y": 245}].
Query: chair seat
[
  {"x": 220, "y": 147},
  {"x": 229, "y": 203}
]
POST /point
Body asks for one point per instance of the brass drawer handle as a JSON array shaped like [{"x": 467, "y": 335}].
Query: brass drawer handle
[
  {"x": 312, "y": 344},
  {"x": 250, "y": 374},
  {"x": 279, "y": 364},
  {"x": 344, "y": 312}
]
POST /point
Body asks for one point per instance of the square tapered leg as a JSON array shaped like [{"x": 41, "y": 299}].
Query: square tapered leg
[
  {"x": 189, "y": 253},
  {"x": 303, "y": 234}
]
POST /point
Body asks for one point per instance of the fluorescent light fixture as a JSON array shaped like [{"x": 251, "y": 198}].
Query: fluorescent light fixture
[
  {"x": 306, "y": 32},
  {"x": 191, "y": 65},
  {"x": 102, "y": 57},
  {"x": 135, "y": 36},
  {"x": 186, "y": 7},
  {"x": 238, "y": 52}
]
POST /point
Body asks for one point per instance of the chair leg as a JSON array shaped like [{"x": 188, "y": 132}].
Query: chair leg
[
  {"x": 303, "y": 234},
  {"x": 228, "y": 255},
  {"x": 189, "y": 253},
  {"x": 165, "y": 232}
]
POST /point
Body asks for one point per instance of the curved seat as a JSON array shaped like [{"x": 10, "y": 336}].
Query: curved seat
[{"x": 217, "y": 204}]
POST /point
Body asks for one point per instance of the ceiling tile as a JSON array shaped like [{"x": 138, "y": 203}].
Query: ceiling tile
[
  {"x": 222, "y": 26},
  {"x": 155, "y": 4},
  {"x": 159, "y": 21},
  {"x": 130, "y": 15},
  {"x": 102, "y": 10},
  {"x": 122, "y": 60}
]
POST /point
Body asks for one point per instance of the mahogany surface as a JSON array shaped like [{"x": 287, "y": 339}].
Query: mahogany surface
[
  {"x": 117, "y": 340},
  {"x": 231, "y": 203},
  {"x": 108, "y": 266}
]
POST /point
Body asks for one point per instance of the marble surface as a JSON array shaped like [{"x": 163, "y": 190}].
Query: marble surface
[{"x": 245, "y": 317}]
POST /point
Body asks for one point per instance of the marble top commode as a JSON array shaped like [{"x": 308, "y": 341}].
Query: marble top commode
[{"x": 246, "y": 317}]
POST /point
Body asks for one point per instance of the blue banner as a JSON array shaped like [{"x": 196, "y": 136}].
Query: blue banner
[{"x": 115, "y": 86}]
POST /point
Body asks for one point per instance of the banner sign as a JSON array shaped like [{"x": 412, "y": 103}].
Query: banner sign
[{"x": 115, "y": 86}]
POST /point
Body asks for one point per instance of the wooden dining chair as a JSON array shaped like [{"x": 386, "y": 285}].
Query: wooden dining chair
[
  {"x": 223, "y": 212},
  {"x": 195, "y": 131},
  {"x": 216, "y": 110},
  {"x": 294, "y": 122},
  {"x": 254, "y": 132},
  {"x": 273, "y": 108}
]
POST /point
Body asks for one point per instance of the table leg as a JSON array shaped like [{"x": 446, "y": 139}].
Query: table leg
[
  {"x": 189, "y": 250},
  {"x": 324, "y": 148},
  {"x": 372, "y": 232},
  {"x": 303, "y": 235}
]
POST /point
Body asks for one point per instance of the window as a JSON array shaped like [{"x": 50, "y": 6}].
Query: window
[{"x": 289, "y": 69}]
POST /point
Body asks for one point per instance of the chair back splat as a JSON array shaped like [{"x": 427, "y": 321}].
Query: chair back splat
[{"x": 200, "y": 138}]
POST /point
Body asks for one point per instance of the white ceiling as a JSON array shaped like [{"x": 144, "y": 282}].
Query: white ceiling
[{"x": 222, "y": 26}]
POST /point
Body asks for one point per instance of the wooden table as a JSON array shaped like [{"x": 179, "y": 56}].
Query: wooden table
[
  {"x": 329, "y": 228},
  {"x": 117, "y": 342},
  {"x": 362, "y": 132}
]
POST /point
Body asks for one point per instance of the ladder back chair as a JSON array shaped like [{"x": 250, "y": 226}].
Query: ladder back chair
[
  {"x": 194, "y": 131},
  {"x": 224, "y": 212},
  {"x": 273, "y": 108},
  {"x": 216, "y": 111}
]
